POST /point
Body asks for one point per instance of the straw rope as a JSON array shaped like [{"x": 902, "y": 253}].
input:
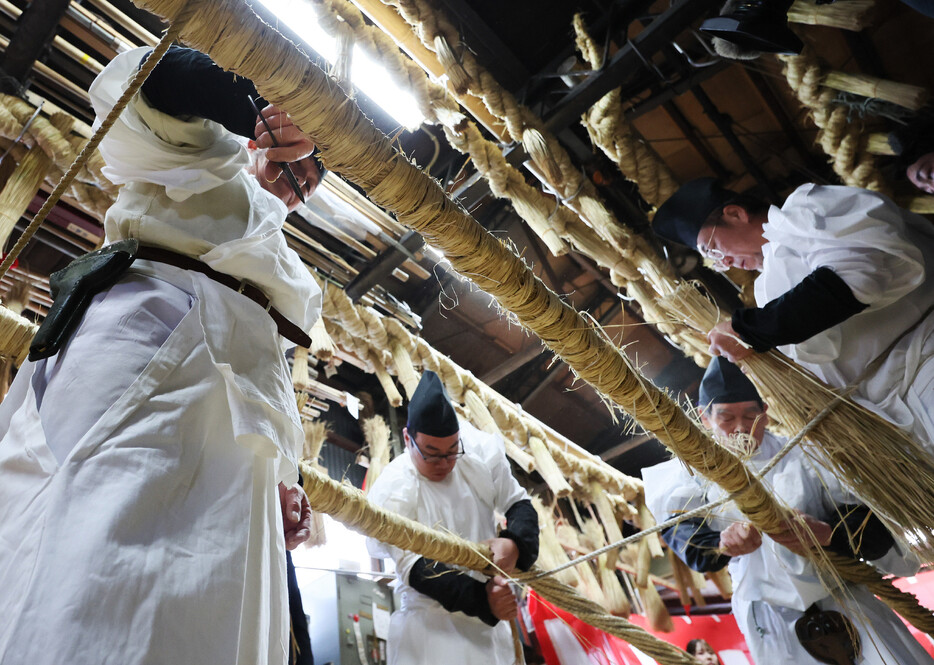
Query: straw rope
[
  {"x": 439, "y": 35},
  {"x": 610, "y": 131},
  {"x": 842, "y": 140},
  {"x": 351, "y": 146},
  {"x": 178, "y": 21},
  {"x": 349, "y": 506}
]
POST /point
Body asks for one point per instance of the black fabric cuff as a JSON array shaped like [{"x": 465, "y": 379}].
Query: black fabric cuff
[
  {"x": 870, "y": 537},
  {"x": 696, "y": 544},
  {"x": 820, "y": 301},
  {"x": 188, "y": 83},
  {"x": 522, "y": 529},
  {"x": 456, "y": 591}
]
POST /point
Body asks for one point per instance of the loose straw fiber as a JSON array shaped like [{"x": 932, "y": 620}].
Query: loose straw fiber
[{"x": 353, "y": 147}]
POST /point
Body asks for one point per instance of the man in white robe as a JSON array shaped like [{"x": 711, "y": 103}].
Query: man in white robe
[
  {"x": 846, "y": 288},
  {"x": 773, "y": 586},
  {"x": 453, "y": 477},
  {"x": 139, "y": 466}
]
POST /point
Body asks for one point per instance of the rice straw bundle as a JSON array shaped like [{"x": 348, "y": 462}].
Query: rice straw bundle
[
  {"x": 551, "y": 554},
  {"x": 686, "y": 581},
  {"x": 615, "y": 598},
  {"x": 647, "y": 521},
  {"x": 392, "y": 393},
  {"x": 535, "y": 144},
  {"x": 853, "y": 15},
  {"x": 608, "y": 518},
  {"x": 21, "y": 188},
  {"x": 909, "y": 96},
  {"x": 655, "y": 611},
  {"x": 316, "y": 432},
  {"x": 376, "y": 433},
  {"x": 548, "y": 468},
  {"x": 459, "y": 79},
  {"x": 883, "y": 465},
  {"x": 301, "y": 399},
  {"x": 877, "y": 143},
  {"x": 921, "y": 204},
  {"x": 322, "y": 346},
  {"x": 405, "y": 370},
  {"x": 481, "y": 417},
  {"x": 300, "y": 376},
  {"x": 16, "y": 333}
]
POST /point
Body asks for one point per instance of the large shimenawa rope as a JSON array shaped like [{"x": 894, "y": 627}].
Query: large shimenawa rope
[
  {"x": 352, "y": 146},
  {"x": 350, "y": 507}
]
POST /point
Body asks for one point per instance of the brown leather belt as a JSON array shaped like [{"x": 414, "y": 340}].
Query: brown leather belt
[{"x": 286, "y": 328}]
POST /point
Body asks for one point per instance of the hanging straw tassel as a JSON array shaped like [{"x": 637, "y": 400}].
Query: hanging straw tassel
[
  {"x": 376, "y": 433},
  {"x": 481, "y": 417},
  {"x": 551, "y": 554},
  {"x": 392, "y": 393},
  {"x": 607, "y": 518},
  {"x": 343, "y": 63},
  {"x": 677, "y": 573},
  {"x": 615, "y": 598},
  {"x": 853, "y": 15},
  {"x": 909, "y": 96},
  {"x": 538, "y": 150},
  {"x": 655, "y": 611},
  {"x": 722, "y": 580},
  {"x": 316, "y": 432},
  {"x": 647, "y": 521},
  {"x": 300, "y": 377},
  {"x": 548, "y": 468},
  {"x": 405, "y": 370},
  {"x": 322, "y": 346},
  {"x": 460, "y": 80}
]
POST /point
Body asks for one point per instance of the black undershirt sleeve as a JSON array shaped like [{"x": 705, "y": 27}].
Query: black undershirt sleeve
[
  {"x": 522, "y": 529},
  {"x": 455, "y": 590},
  {"x": 696, "y": 544},
  {"x": 188, "y": 83},
  {"x": 870, "y": 538},
  {"x": 820, "y": 301}
]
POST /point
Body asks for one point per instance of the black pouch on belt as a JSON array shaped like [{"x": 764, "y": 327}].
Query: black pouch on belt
[{"x": 72, "y": 289}]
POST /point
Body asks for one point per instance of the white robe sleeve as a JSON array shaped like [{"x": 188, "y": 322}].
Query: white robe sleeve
[{"x": 858, "y": 234}]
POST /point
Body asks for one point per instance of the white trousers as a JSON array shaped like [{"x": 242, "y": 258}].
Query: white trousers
[{"x": 133, "y": 530}]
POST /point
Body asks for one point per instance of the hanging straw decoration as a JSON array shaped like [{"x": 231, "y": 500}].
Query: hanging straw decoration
[
  {"x": 315, "y": 435},
  {"x": 322, "y": 346},
  {"x": 300, "y": 376},
  {"x": 550, "y": 552},
  {"x": 376, "y": 433},
  {"x": 615, "y": 599},
  {"x": 722, "y": 580},
  {"x": 608, "y": 518},
  {"x": 546, "y": 466}
]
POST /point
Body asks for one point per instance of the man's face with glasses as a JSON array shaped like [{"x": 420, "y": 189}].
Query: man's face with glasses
[
  {"x": 433, "y": 456},
  {"x": 734, "y": 237}
]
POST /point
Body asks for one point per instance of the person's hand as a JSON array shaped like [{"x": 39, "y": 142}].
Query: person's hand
[
  {"x": 501, "y": 598},
  {"x": 505, "y": 553},
  {"x": 921, "y": 173},
  {"x": 296, "y": 515},
  {"x": 740, "y": 538},
  {"x": 795, "y": 537},
  {"x": 725, "y": 342},
  {"x": 294, "y": 148}
]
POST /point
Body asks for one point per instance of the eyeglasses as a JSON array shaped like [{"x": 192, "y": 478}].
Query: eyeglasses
[
  {"x": 438, "y": 459},
  {"x": 715, "y": 256}
]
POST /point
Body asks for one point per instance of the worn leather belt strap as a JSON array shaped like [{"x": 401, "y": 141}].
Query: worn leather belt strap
[{"x": 286, "y": 328}]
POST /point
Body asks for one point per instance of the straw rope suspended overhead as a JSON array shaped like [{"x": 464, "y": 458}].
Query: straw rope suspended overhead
[
  {"x": 610, "y": 131},
  {"x": 488, "y": 410},
  {"x": 552, "y": 220},
  {"x": 351, "y": 146}
]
